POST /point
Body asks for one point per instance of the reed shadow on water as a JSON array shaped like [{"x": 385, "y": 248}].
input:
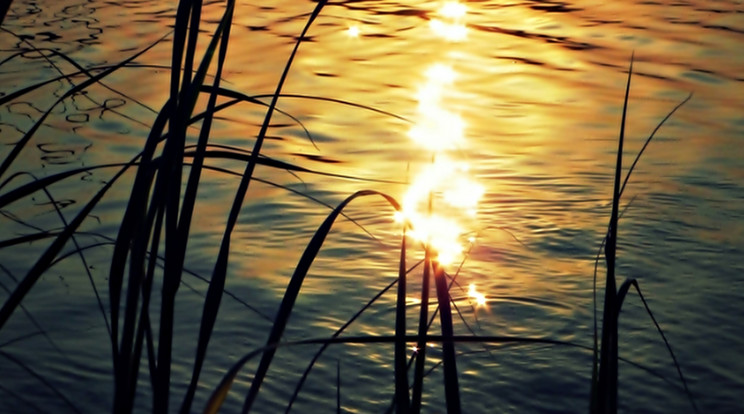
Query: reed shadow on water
[{"x": 151, "y": 246}]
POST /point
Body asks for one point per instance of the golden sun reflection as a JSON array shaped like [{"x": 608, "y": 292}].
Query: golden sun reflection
[
  {"x": 453, "y": 10},
  {"x": 437, "y": 128},
  {"x": 353, "y": 31},
  {"x": 450, "y": 26},
  {"x": 415, "y": 348},
  {"x": 480, "y": 299},
  {"x": 439, "y": 225}
]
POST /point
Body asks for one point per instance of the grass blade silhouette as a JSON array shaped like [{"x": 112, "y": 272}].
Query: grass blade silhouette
[{"x": 293, "y": 290}]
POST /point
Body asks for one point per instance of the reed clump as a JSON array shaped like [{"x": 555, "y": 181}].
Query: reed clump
[{"x": 151, "y": 246}]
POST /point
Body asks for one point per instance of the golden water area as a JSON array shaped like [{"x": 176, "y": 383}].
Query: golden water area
[{"x": 493, "y": 123}]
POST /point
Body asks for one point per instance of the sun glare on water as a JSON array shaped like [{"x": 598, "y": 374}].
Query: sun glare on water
[
  {"x": 442, "y": 198},
  {"x": 480, "y": 299},
  {"x": 352, "y": 31},
  {"x": 449, "y": 23}
]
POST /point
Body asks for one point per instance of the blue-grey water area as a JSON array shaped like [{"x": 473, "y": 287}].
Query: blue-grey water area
[{"x": 536, "y": 90}]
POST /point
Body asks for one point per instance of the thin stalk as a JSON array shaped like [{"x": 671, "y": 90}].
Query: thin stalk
[
  {"x": 607, "y": 380},
  {"x": 451, "y": 387},
  {"x": 418, "y": 370},
  {"x": 293, "y": 290},
  {"x": 401, "y": 353},
  {"x": 221, "y": 266}
]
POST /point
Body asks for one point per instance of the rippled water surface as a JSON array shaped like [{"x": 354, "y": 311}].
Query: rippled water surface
[{"x": 539, "y": 87}]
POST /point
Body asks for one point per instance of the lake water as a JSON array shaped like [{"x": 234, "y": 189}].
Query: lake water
[{"x": 539, "y": 89}]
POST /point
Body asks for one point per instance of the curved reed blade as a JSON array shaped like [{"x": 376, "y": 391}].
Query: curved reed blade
[
  {"x": 43, "y": 263},
  {"x": 650, "y": 137},
  {"x": 216, "y": 287},
  {"x": 622, "y": 292},
  {"x": 293, "y": 290},
  {"x": 241, "y": 97},
  {"x": 270, "y": 162},
  {"x": 178, "y": 217},
  {"x": 4, "y": 10},
  {"x": 46, "y": 53},
  {"x": 40, "y": 183},
  {"x": 338, "y": 332},
  {"x": 132, "y": 237},
  {"x": 339, "y": 101}
]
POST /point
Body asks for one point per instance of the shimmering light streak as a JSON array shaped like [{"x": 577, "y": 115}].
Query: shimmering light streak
[
  {"x": 442, "y": 196},
  {"x": 453, "y": 10},
  {"x": 450, "y": 26},
  {"x": 353, "y": 31},
  {"x": 437, "y": 128},
  {"x": 439, "y": 224},
  {"x": 464, "y": 194},
  {"x": 480, "y": 299}
]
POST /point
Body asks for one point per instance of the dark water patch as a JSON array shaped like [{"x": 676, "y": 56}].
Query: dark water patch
[
  {"x": 564, "y": 242},
  {"x": 703, "y": 76}
]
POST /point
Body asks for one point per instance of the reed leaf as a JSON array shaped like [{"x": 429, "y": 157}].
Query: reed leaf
[
  {"x": 622, "y": 292},
  {"x": 338, "y": 332},
  {"x": 604, "y": 397},
  {"x": 451, "y": 387},
  {"x": 402, "y": 397},
  {"x": 420, "y": 355},
  {"x": 42, "y": 264},
  {"x": 604, "y": 381},
  {"x": 293, "y": 290}
]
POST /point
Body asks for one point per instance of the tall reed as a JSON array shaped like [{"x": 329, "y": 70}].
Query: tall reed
[{"x": 604, "y": 385}]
